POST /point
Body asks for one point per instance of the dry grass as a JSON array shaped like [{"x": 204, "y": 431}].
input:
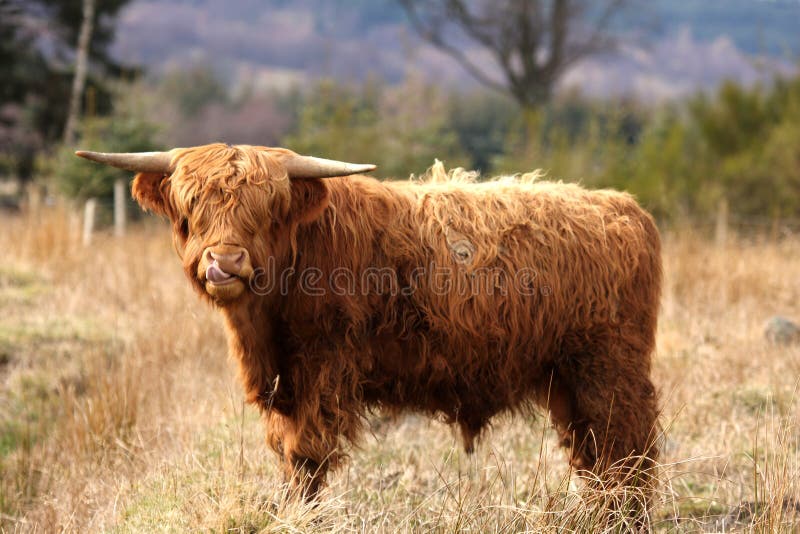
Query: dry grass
[{"x": 119, "y": 410}]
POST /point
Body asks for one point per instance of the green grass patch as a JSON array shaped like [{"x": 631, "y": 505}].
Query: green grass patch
[
  {"x": 13, "y": 277},
  {"x": 26, "y": 333},
  {"x": 699, "y": 508},
  {"x": 40, "y": 357},
  {"x": 217, "y": 488},
  {"x": 760, "y": 400},
  {"x": 19, "y": 286}
]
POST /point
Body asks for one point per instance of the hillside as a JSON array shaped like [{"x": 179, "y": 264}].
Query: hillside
[{"x": 671, "y": 47}]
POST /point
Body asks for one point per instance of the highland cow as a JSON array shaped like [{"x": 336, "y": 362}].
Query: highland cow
[{"x": 458, "y": 299}]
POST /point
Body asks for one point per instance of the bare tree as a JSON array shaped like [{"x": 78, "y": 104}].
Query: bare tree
[
  {"x": 79, "y": 81},
  {"x": 531, "y": 41}
]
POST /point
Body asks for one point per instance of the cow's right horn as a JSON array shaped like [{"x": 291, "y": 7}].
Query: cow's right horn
[
  {"x": 310, "y": 167},
  {"x": 159, "y": 162}
]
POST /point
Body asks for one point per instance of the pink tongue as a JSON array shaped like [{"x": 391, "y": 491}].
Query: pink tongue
[{"x": 216, "y": 275}]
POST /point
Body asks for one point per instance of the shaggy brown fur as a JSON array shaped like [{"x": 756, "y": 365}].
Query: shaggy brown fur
[{"x": 488, "y": 298}]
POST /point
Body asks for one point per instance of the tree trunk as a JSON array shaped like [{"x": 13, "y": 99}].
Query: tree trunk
[
  {"x": 533, "y": 117},
  {"x": 79, "y": 81}
]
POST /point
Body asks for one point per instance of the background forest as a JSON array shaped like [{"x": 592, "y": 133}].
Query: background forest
[{"x": 734, "y": 141}]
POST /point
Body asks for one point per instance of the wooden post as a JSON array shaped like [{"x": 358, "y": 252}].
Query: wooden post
[
  {"x": 721, "y": 239},
  {"x": 775, "y": 228},
  {"x": 88, "y": 221},
  {"x": 721, "y": 231},
  {"x": 34, "y": 195},
  {"x": 119, "y": 207}
]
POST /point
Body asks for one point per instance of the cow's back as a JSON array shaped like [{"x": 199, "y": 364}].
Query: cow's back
[{"x": 488, "y": 282}]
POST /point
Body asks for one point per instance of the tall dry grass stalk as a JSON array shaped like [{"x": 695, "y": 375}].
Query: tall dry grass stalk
[{"x": 119, "y": 410}]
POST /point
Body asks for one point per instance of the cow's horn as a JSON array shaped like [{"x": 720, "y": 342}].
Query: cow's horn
[
  {"x": 132, "y": 161},
  {"x": 310, "y": 167}
]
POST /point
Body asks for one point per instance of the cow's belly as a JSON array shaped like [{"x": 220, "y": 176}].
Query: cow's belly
[{"x": 417, "y": 373}]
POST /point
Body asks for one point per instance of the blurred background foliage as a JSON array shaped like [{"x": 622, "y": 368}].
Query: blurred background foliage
[
  {"x": 402, "y": 129},
  {"x": 126, "y": 129},
  {"x": 739, "y": 143},
  {"x": 37, "y": 75},
  {"x": 680, "y": 159}
]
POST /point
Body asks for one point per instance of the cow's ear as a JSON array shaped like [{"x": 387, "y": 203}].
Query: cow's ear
[
  {"x": 310, "y": 197},
  {"x": 147, "y": 190}
]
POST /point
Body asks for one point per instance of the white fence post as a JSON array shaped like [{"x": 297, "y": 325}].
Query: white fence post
[
  {"x": 119, "y": 207},
  {"x": 88, "y": 220},
  {"x": 721, "y": 239}
]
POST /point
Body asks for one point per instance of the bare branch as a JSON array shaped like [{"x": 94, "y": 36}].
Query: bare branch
[
  {"x": 531, "y": 41},
  {"x": 600, "y": 40},
  {"x": 434, "y": 37}
]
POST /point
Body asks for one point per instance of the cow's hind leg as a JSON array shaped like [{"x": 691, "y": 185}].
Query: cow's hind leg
[
  {"x": 615, "y": 426},
  {"x": 605, "y": 409}
]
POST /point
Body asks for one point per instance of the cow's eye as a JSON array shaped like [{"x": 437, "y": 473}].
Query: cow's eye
[{"x": 183, "y": 229}]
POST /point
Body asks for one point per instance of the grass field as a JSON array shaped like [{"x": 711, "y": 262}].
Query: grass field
[{"x": 119, "y": 409}]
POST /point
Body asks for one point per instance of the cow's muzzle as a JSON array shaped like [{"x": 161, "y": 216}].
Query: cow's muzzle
[{"x": 225, "y": 271}]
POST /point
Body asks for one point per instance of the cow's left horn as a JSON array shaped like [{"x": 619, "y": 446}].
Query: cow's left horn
[
  {"x": 132, "y": 161},
  {"x": 309, "y": 167}
]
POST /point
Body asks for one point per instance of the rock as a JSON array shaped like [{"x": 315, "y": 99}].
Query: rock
[{"x": 781, "y": 331}]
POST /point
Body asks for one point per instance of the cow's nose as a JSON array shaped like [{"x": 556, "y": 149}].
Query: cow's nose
[{"x": 230, "y": 260}]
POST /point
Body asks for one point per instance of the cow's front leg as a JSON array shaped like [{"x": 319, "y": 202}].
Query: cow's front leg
[
  {"x": 307, "y": 452},
  {"x": 304, "y": 477}
]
